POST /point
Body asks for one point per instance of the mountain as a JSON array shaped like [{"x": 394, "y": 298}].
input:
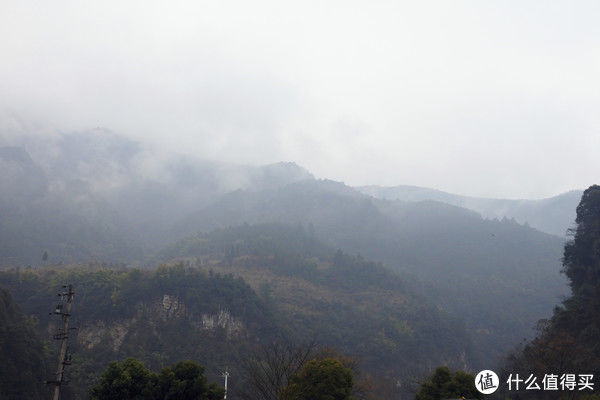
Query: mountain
[
  {"x": 554, "y": 215},
  {"x": 97, "y": 196},
  {"x": 66, "y": 224},
  {"x": 162, "y": 316},
  {"x": 465, "y": 264},
  {"x": 229, "y": 291}
]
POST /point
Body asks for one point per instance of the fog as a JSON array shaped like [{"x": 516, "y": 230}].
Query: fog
[{"x": 478, "y": 98}]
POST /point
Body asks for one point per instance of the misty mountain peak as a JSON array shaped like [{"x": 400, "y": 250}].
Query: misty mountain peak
[{"x": 286, "y": 172}]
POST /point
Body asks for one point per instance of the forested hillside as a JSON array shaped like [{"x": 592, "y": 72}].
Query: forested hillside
[
  {"x": 161, "y": 316},
  {"x": 464, "y": 263},
  {"x": 240, "y": 288},
  {"x": 342, "y": 300}
]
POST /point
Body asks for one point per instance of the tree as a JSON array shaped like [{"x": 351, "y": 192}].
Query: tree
[
  {"x": 130, "y": 380},
  {"x": 363, "y": 385},
  {"x": 569, "y": 340},
  {"x": 271, "y": 368},
  {"x": 444, "y": 385},
  {"x": 186, "y": 381},
  {"x": 325, "y": 379},
  {"x": 581, "y": 259},
  {"x": 579, "y": 318},
  {"x": 269, "y": 373}
]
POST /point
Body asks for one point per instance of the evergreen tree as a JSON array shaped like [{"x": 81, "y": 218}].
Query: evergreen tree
[
  {"x": 579, "y": 318},
  {"x": 186, "y": 381},
  {"x": 130, "y": 380},
  {"x": 325, "y": 379},
  {"x": 582, "y": 255},
  {"x": 444, "y": 385},
  {"x": 570, "y": 341}
]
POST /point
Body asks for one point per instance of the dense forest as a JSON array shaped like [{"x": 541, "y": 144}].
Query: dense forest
[{"x": 236, "y": 289}]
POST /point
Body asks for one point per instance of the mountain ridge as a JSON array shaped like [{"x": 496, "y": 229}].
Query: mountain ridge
[{"x": 535, "y": 212}]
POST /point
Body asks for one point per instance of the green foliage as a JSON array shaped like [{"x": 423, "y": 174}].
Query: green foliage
[
  {"x": 325, "y": 379},
  {"x": 186, "y": 381},
  {"x": 130, "y": 380},
  {"x": 445, "y": 385},
  {"x": 582, "y": 255},
  {"x": 260, "y": 241},
  {"x": 129, "y": 303},
  {"x": 463, "y": 263},
  {"x": 339, "y": 300}
]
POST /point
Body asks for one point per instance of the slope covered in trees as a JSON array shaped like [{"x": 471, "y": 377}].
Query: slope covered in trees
[
  {"x": 161, "y": 316},
  {"x": 289, "y": 286},
  {"x": 568, "y": 342},
  {"x": 343, "y": 301},
  {"x": 467, "y": 265}
]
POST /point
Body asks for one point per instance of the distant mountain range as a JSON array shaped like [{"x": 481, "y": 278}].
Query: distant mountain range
[{"x": 553, "y": 215}]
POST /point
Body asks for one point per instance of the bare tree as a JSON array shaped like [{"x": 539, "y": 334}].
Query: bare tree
[
  {"x": 271, "y": 367},
  {"x": 269, "y": 370}
]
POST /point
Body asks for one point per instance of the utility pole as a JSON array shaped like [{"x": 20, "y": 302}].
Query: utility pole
[
  {"x": 225, "y": 375},
  {"x": 63, "y": 334}
]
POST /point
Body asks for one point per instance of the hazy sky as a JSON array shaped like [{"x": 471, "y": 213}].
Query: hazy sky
[{"x": 491, "y": 98}]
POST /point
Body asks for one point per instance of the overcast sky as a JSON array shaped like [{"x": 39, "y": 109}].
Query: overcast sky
[{"x": 489, "y": 98}]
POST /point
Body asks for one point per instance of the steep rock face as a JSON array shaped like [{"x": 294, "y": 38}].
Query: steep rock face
[
  {"x": 154, "y": 314},
  {"x": 223, "y": 319},
  {"x": 159, "y": 316},
  {"x": 91, "y": 336},
  {"x": 172, "y": 307}
]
